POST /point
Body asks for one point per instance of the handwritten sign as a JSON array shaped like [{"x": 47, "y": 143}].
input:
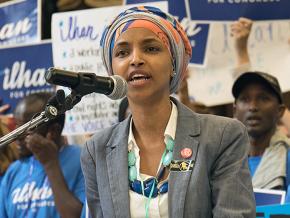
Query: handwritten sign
[
  {"x": 75, "y": 42},
  {"x": 269, "y": 52}
]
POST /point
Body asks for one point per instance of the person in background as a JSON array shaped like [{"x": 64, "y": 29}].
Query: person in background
[
  {"x": 240, "y": 31},
  {"x": 47, "y": 180},
  {"x": 8, "y": 153},
  {"x": 163, "y": 160},
  {"x": 259, "y": 106}
]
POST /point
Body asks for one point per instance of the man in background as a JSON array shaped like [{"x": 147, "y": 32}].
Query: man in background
[
  {"x": 47, "y": 180},
  {"x": 259, "y": 106}
]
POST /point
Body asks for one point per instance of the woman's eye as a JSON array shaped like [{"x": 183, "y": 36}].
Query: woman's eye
[
  {"x": 152, "y": 49},
  {"x": 121, "y": 53}
]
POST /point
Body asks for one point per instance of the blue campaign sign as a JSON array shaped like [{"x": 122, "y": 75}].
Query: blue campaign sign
[
  {"x": 19, "y": 22},
  {"x": 22, "y": 71},
  {"x": 196, "y": 32},
  {"x": 233, "y": 9},
  {"x": 269, "y": 197}
]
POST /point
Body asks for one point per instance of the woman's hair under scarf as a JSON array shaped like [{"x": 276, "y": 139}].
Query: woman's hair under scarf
[{"x": 179, "y": 45}]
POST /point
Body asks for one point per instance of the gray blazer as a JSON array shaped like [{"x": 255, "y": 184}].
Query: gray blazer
[{"x": 218, "y": 186}]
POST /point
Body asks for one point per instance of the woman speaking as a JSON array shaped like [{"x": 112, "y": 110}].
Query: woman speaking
[{"x": 163, "y": 160}]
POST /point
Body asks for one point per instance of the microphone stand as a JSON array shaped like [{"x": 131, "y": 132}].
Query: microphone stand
[
  {"x": 56, "y": 106},
  {"x": 49, "y": 113}
]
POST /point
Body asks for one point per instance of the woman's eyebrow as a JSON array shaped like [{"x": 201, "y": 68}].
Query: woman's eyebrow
[
  {"x": 149, "y": 40},
  {"x": 146, "y": 40},
  {"x": 122, "y": 43}
]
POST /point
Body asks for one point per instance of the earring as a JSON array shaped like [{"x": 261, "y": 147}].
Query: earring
[{"x": 173, "y": 72}]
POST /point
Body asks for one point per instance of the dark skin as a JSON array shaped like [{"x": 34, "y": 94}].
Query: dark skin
[
  {"x": 258, "y": 108},
  {"x": 44, "y": 144}
]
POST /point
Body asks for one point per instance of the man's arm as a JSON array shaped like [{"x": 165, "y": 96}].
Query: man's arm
[
  {"x": 240, "y": 31},
  {"x": 46, "y": 151},
  {"x": 232, "y": 191}
]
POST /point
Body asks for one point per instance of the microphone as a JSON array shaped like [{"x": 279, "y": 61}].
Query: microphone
[{"x": 115, "y": 87}]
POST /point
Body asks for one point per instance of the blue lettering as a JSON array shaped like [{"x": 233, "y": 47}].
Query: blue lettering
[{"x": 76, "y": 32}]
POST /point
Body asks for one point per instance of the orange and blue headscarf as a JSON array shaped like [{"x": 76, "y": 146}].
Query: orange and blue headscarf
[{"x": 164, "y": 25}]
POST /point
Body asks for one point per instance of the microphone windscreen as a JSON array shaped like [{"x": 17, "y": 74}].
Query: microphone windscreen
[{"x": 120, "y": 88}]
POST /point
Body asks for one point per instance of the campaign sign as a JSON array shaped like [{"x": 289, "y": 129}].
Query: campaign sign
[
  {"x": 19, "y": 22},
  {"x": 269, "y": 197},
  {"x": 22, "y": 71},
  {"x": 196, "y": 32},
  {"x": 233, "y": 9}
]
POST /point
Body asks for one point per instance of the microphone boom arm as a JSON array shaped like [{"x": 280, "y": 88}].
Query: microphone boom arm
[
  {"x": 49, "y": 113},
  {"x": 59, "y": 106}
]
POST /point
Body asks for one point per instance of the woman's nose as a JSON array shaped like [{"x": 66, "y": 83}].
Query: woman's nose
[{"x": 137, "y": 58}]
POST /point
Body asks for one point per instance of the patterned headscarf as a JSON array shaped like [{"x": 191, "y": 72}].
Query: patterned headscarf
[{"x": 164, "y": 25}]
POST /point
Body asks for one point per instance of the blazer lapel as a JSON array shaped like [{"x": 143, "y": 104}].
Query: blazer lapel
[
  {"x": 117, "y": 164},
  {"x": 188, "y": 127}
]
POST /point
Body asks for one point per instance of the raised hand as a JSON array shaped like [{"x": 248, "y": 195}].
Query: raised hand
[{"x": 240, "y": 31}]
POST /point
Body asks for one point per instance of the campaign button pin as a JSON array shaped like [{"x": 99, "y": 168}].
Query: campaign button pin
[{"x": 186, "y": 153}]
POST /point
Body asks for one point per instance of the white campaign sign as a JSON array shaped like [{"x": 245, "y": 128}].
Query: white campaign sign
[
  {"x": 75, "y": 42},
  {"x": 269, "y": 52}
]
